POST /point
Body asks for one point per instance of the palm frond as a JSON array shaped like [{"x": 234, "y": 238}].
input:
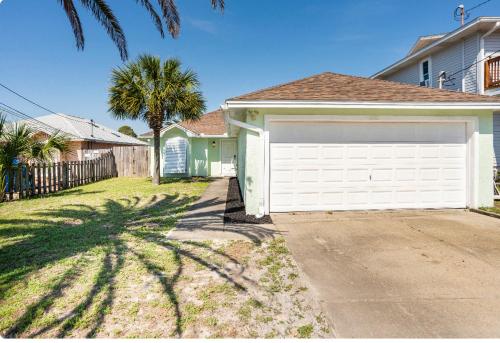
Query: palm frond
[
  {"x": 218, "y": 4},
  {"x": 17, "y": 142},
  {"x": 74, "y": 20},
  {"x": 154, "y": 15},
  {"x": 104, "y": 15},
  {"x": 2, "y": 126},
  {"x": 45, "y": 150},
  {"x": 171, "y": 16},
  {"x": 126, "y": 94}
]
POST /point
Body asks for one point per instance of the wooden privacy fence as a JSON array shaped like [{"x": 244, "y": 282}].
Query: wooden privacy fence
[
  {"x": 132, "y": 161},
  {"x": 27, "y": 180}
]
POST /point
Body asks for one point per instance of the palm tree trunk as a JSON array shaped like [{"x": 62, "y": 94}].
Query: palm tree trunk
[{"x": 156, "y": 171}]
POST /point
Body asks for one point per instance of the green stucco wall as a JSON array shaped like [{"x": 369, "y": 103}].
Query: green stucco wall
[
  {"x": 199, "y": 157},
  {"x": 252, "y": 179},
  {"x": 203, "y": 155}
]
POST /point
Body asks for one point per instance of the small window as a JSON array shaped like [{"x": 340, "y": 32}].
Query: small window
[{"x": 425, "y": 73}]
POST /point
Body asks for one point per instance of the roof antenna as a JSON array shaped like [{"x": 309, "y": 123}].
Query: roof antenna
[
  {"x": 92, "y": 128},
  {"x": 460, "y": 14}
]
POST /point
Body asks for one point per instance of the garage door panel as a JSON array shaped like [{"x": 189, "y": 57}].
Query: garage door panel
[
  {"x": 332, "y": 175},
  {"x": 332, "y": 152},
  {"x": 324, "y": 169}
]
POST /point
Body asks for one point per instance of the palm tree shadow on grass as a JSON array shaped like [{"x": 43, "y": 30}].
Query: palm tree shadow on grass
[{"x": 85, "y": 228}]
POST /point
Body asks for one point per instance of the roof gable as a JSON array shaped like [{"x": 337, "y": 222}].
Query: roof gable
[
  {"x": 209, "y": 124},
  {"x": 424, "y": 41},
  {"x": 345, "y": 88}
]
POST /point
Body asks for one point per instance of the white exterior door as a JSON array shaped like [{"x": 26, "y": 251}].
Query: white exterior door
[
  {"x": 356, "y": 166},
  {"x": 228, "y": 157}
]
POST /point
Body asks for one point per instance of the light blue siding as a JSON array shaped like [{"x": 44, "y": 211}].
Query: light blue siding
[
  {"x": 450, "y": 61},
  {"x": 491, "y": 44},
  {"x": 471, "y": 52},
  {"x": 406, "y": 75}
]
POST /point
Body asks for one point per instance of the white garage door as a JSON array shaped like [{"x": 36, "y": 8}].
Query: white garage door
[{"x": 354, "y": 166}]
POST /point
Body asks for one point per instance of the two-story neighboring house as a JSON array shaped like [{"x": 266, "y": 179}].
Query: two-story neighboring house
[{"x": 465, "y": 60}]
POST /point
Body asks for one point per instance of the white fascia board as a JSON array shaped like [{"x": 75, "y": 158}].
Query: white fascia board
[
  {"x": 170, "y": 127},
  {"x": 363, "y": 105},
  {"x": 422, "y": 52}
]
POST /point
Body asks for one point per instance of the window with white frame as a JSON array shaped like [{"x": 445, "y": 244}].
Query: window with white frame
[{"x": 425, "y": 73}]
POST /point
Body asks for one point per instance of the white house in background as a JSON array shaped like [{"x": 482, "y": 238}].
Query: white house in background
[
  {"x": 464, "y": 60},
  {"x": 88, "y": 139}
]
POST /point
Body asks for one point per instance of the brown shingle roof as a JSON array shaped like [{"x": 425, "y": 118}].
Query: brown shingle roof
[
  {"x": 345, "y": 88},
  {"x": 211, "y": 123}
]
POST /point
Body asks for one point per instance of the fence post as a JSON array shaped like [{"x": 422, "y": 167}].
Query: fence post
[
  {"x": 32, "y": 179},
  {"x": 65, "y": 175},
  {"x": 49, "y": 177}
]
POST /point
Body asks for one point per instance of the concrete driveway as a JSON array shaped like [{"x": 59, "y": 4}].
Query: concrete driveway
[{"x": 401, "y": 274}]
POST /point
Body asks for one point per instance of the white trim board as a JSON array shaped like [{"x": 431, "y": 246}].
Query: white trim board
[
  {"x": 472, "y": 124},
  {"x": 363, "y": 105}
]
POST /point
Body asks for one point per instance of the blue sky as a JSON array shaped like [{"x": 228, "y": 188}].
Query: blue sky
[{"x": 254, "y": 44}]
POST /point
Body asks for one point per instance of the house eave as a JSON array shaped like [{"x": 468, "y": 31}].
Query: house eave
[
  {"x": 362, "y": 105},
  {"x": 423, "y": 52}
]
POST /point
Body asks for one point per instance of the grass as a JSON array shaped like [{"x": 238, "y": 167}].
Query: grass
[
  {"x": 495, "y": 209},
  {"x": 305, "y": 331},
  {"x": 94, "y": 261},
  {"x": 63, "y": 258}
]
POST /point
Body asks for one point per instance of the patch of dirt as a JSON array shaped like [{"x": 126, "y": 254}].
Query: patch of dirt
[
  {"x": 232, "y": 289},
  {"x": 159, "y": 289},
  {"x": 235, "y": 208}
]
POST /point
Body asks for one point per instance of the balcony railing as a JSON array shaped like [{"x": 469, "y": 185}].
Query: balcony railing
[{"x": 492, "y": 73}]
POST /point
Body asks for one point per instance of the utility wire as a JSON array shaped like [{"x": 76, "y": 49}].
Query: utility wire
[
  {"x": 448, "y": 77},
  {"x": 25, "y": 98},
  {"x": 459, "y": 11},
  {"x": 478, "y": 5},
  {"x": 31, "y": 122},
  {"x": 37, "y": 123},
  {"x": 40, "y": 106}
]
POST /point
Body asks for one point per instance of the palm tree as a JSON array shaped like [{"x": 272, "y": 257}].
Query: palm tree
[
  {"x": 155, "y": 92},
  {"x": 17, "y": 142},
  {"x": 105, "y": 16}
]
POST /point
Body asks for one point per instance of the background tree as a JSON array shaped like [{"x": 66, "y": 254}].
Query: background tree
[
  {"x": 155, "y": 92},
  {"x": 104, "y": 15},
  {"x": 127, "y": 130}
]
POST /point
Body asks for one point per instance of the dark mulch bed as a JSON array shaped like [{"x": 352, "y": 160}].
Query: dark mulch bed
[{"x": 235, "y": 208}]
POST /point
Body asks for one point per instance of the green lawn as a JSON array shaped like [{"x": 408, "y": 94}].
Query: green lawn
[
  {"x": 94, "y": 261},
  {"x": 495, "y": 209},
  {"x": 68, "y": 250}
]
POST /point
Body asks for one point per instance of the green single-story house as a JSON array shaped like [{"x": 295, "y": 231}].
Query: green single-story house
[
  {"x": 339, "y": 142},
  {"x": 196, "y": 148}
]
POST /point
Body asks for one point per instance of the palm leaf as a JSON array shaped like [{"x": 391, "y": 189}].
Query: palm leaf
[
  {"x": 74, "y": 20},
  {"x": 104, "y": 15},
  {"x": 154, "y": 15},
  {"x": 171, "y": 16},
  {"x": 218, "y": 4}
]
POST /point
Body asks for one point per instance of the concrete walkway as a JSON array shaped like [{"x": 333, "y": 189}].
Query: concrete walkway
[{"x": 205, "y": 220}]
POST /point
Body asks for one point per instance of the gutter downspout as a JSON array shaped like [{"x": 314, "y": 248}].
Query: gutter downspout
[
  {"x": 260, "y": 132},
  {"x": 481, "y": 54}
]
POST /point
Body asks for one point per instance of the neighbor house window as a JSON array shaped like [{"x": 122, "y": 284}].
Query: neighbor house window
[{"x": 425, "y": 73}]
